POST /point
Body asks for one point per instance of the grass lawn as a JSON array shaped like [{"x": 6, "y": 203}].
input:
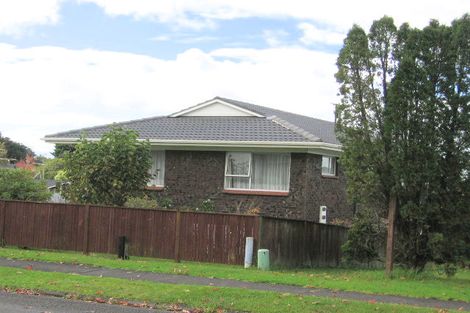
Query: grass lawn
[
  {"x": 210, "y": 299},
  {"x": 426, "y": 285}
]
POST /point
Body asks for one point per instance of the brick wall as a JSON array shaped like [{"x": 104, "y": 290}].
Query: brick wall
[{"x": 194, "y": 176}]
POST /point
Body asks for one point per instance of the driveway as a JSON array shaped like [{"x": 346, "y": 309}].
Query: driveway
[{"x": 21, "y": 303}]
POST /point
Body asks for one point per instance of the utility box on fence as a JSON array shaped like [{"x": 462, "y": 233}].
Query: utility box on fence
[
  {"x": 322, "y": 218},
  {"x": 123, "y": 248},
  {"x": 263, "y": 259}
]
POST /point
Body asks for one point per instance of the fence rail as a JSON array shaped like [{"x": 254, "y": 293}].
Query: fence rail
[{"x": 191, "y": 236}]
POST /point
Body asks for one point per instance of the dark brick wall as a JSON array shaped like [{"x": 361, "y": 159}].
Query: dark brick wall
[{"x": 194, "y": 176}]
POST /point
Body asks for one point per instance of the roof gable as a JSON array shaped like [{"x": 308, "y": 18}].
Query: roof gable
[{"x": 216, "y": 107}]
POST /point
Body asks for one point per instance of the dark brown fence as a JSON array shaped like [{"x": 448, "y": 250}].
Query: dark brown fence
[
  {"x": 293, "y": 243},
  {"x": 192, "y": 236}
]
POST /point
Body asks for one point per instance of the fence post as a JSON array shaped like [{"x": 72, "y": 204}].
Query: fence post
[
  {"x": 3, "y": 213},
  {"x": 177, "y": 236},
  {"x": 86, "y": 227}
]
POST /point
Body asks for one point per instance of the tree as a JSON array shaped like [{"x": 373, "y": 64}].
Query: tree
[
  {"x": 366, "y": 66},
  {"x": 403, "y": 121},
  {"x": 19, "y": 184},
  {"x": 52, "y": 167},
  {"x": 61, "y": 149},
  {"x": 15, "y": 150},
  {"x": 3, "y": 153},
  {"x": 431, "y": 94},
  {"x": 108, "y": 171}
]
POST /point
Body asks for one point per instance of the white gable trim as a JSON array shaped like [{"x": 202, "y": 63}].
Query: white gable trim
[{"x": 215, "y": 101}]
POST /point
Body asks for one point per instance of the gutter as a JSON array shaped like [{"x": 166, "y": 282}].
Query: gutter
[{"x": 310, "y": 147}]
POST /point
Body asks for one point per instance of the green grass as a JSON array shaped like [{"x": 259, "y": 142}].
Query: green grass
[
  {"x": 207, "y": 298},
  {"x": 427, "y": 285}
]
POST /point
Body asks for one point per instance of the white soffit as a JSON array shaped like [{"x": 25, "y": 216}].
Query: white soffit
[{"x": 215, "y": 108}]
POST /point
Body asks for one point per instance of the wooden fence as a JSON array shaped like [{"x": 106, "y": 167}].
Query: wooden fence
[{"x": 192, "y": 236}]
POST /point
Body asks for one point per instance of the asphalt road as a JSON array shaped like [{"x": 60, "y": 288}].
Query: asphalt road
[{"x": 20, "y": 303}]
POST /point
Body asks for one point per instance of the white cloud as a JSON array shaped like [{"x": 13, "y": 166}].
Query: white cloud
[
  {"x": 275, "y": 38},
  {"x": 161, "y": 38},
  {"x": 315, "y": 35},
  {"x": 340, "y": 14},
  {"x": 18, "y": 15},
  {"x": 51, "y": 89}
]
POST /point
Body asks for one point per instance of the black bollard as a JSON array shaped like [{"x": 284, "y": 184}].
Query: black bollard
[{"x": 123, "y": 247}]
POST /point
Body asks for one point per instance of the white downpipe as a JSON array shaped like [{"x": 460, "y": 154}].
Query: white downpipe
[{"x": 248, "y": 252}]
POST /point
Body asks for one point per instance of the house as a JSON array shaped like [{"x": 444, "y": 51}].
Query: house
[{"x": 241, "y": 156}]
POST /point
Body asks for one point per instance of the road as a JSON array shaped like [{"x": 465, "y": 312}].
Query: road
[{"x": 20, "y": 303}]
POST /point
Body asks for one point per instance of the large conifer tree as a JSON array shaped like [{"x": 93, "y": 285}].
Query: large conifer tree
[{"x": 403, "y": 121}]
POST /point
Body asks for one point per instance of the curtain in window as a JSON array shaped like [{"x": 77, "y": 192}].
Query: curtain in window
[
  {"x": 266, "y": 171},
  {"x": 328, "y": 165},
  {"x": 157, "y": 169},
  {"x": 270, "y": 171}
]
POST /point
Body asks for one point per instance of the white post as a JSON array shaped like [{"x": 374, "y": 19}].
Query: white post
[{"x": 248, "y": 252}]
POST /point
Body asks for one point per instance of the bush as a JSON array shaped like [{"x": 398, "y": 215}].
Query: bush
[
  {"x": 144, "y": 202},
  {"x": 253, "y": 211},
  {"x": 108, "y": 171},
  {"x": 365, "y": 238},
  {"x": 52, "y": 167},
  {"x": 206, "y": 206},
  {"x": 19, "y": 184},
  {"x": 165, "y": 203}
]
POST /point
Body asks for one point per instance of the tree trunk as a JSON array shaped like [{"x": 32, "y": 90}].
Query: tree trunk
[{"x": 392, "y": 212}]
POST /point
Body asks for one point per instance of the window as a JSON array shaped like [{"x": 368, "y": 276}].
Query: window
[
  {"x": 158, "y": 169},
  {"x": 328, "y": 166},
  {"x": 257, "y": 171}
]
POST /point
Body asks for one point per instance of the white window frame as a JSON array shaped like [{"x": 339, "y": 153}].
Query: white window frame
[
  {"x": 335, "y": 166},
  {"x": 238, "y": 175},
  {"x": 162, "y": 170},
  {"x": 250, "y": 175}
]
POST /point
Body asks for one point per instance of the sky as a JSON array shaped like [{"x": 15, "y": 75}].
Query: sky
[{"x": 68, "y": 64}]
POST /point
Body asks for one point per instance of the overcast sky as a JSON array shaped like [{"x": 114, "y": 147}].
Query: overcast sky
[{"x": 75, "y": 63}]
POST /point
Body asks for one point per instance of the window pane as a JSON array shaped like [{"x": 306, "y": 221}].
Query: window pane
[
  {"x": 238, "y": 164},
  {"x": 237, "y": 182},
  {"x": 328, "y": 165},
  {"x": 270, "y": 171},
  {"x": 157, "y": 169}
]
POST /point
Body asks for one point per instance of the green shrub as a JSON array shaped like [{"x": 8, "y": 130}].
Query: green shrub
[
  {"x": 206, "y": 206},
  {"x": 144, "y": 202},
  {"x": 165, "y": 203},
  {"x": 19, "y": 184},
  {"x": 108, "y": 171},
  {"x": 365, "y": 238}
]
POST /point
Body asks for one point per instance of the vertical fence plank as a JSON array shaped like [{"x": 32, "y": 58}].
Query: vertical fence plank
[
  {"x": 3, "y": 212},
  {"x": 260, "y": 233},
  {"x": 177, "y": 236},
  {"x": 86, "y": 227}
]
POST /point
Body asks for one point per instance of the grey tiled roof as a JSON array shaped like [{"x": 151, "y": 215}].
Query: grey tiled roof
[
  {"x": 325, "y": 130},
  {"x": 275, "y": 126}
]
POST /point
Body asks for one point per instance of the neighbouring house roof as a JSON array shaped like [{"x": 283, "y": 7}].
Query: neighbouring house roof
[
  {"x": 243, "y": 123},
  {"x": 6, "y": 165}
]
